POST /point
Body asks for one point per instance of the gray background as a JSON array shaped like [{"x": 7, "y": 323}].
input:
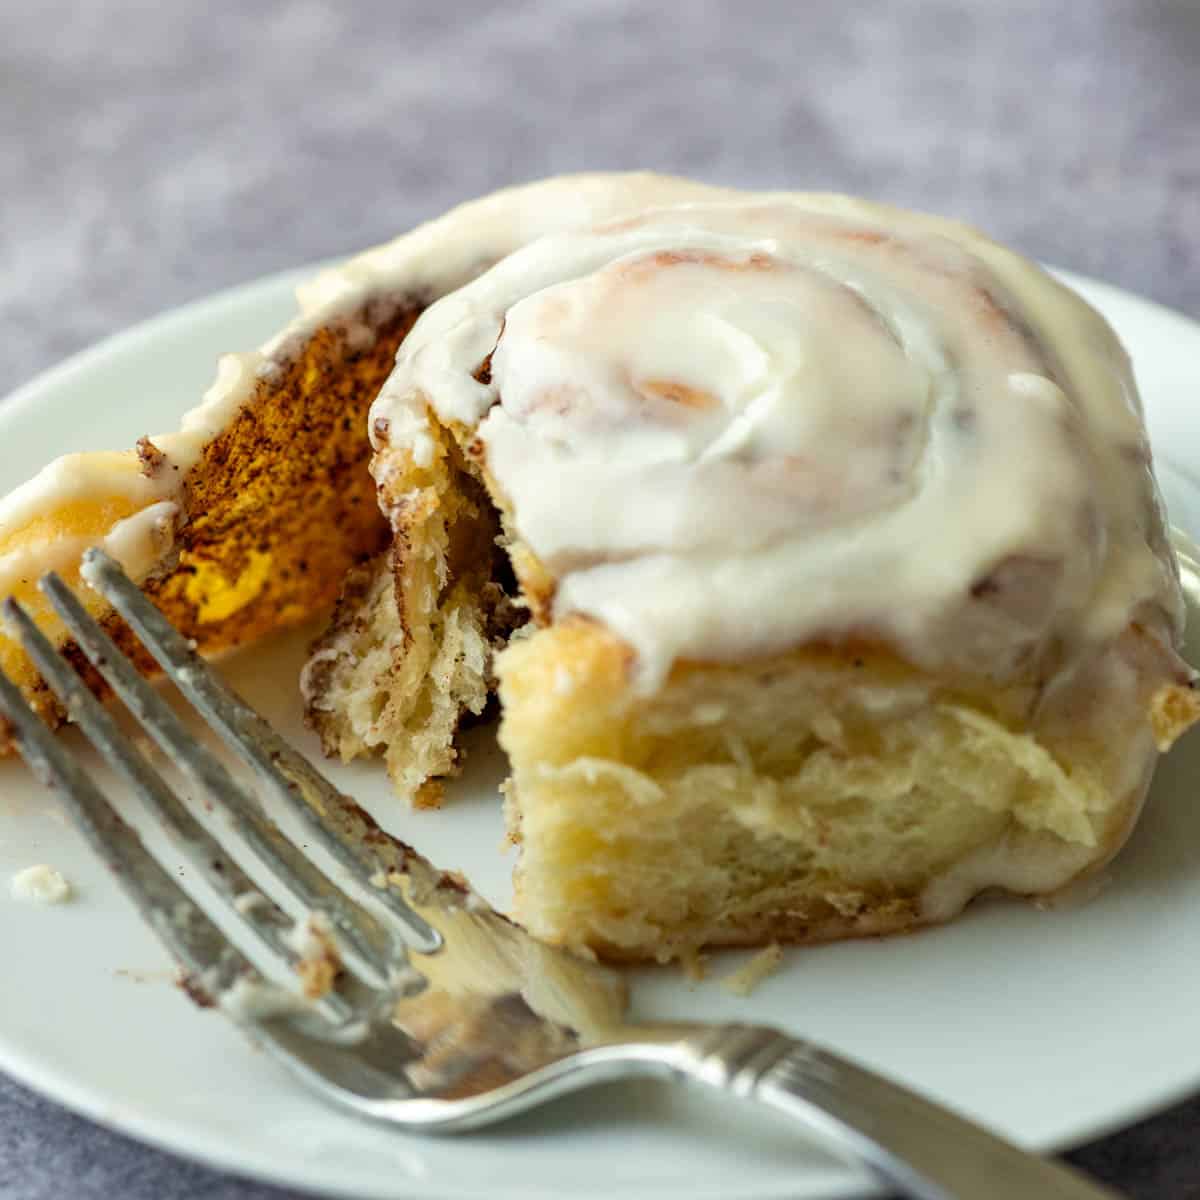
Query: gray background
[{"x": 150, "y": 153}]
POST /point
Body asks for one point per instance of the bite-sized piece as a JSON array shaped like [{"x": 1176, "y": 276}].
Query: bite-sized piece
[{"x": 409, "y": 652}]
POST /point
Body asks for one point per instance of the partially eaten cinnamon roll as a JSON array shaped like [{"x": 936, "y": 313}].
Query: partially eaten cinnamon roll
[
  {"x": 810, "y": 546},
  {"x": 846, "y": 577}
]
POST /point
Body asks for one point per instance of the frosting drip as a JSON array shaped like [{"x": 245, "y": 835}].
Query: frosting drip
[{"x": 730, "y": 428}]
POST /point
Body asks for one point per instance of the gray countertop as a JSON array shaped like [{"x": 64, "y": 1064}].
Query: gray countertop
[{"x": 151, "y": 153}]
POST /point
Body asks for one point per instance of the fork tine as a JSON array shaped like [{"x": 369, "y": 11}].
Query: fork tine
[
  {"x": 340, "y": 826},
  {"x": 208, "y": 957},
  {"x": 206, "y": 854},
  {"x": 368, "y": 945}
]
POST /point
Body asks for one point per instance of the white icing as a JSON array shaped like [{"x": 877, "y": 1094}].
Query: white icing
[
  {"x": 40, "y": 885},
  {"x": 144, "y": 533},
  {"x": 1026, "y": 867},
  {"x": 444, "y": 253},
  {"x": 731, "y": 427}
]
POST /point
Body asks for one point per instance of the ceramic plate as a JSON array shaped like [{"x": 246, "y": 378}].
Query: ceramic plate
[{"x": 1053, "y": 1027}]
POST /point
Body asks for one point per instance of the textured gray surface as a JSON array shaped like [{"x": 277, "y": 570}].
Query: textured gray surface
[{"x": 150, "y": 153}]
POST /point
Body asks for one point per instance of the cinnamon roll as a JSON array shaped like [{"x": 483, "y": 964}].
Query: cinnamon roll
[
  {"x": 810, "y": 546},
  {"x": 847, "y": 576}
]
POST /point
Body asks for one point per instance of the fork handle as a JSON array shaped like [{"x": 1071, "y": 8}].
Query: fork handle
[{"x": 911, "y": 1143}]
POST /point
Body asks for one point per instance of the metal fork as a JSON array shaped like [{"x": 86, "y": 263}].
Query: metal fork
[{"x": 398, "y": 994}]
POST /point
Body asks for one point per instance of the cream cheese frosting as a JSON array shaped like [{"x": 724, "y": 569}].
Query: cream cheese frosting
[{"x": 733, "y": 426}]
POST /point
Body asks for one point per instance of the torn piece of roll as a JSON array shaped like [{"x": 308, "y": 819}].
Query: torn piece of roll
[{"x": 850, "y": 590}]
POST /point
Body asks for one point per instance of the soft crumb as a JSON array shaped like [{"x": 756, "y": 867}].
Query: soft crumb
[
  {"x": 40, "y": 885},
  {"x": 749, "y": 975}
]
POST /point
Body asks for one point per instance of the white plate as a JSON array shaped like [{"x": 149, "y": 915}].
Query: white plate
[{"x": 1051, "y": 1027}]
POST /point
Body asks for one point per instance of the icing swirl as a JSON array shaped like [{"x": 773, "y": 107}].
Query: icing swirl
[{"x": 730, "y": 428}]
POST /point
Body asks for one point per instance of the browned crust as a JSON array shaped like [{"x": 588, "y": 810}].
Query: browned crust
[
  {"x": 288, "y": 479},
  {"x": 877, "y": 919},
  {"x": 281, "y": 504}
]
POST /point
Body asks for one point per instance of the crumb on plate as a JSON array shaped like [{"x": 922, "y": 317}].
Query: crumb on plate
[
  {"x": 40, "y": 884},
  {"x": 750, "y": 974}
]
